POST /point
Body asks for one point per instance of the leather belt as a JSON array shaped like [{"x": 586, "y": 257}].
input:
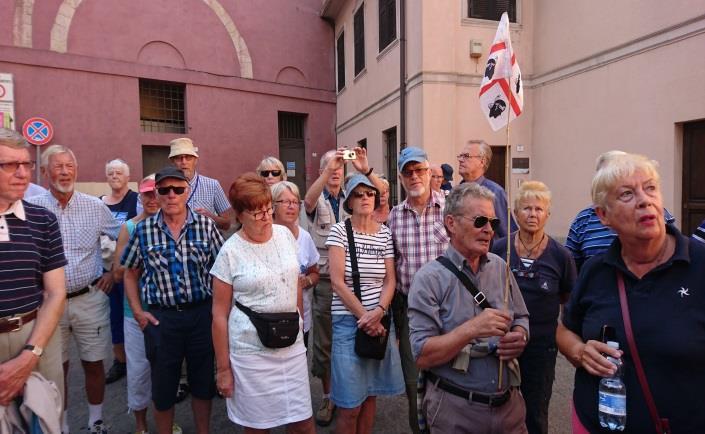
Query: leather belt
[
  {"x": 179, "y": 307},
  {"x": 70, "y": 295},
  {"x": 14, "y": 323},
  {"x": 482, "y": 398}
]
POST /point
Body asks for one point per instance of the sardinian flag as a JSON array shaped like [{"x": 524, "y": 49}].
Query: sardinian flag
[{"x": 501, "y": 92}]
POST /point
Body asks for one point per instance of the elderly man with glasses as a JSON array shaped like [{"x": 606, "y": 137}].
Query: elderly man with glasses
[
  {"x": 174, "y": 251},
  {"x": 473, "y": 162},
  {"x": 461, "y": 327}
]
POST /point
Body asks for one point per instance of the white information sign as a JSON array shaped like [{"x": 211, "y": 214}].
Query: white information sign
[{"x": 7, "y": 101}]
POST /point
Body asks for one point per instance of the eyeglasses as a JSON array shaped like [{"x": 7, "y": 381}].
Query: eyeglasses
[
  {"x": 436, "y": 176},
  {"x": 368, "y": 193},
  {"x": 287, "y": 202},
  {"x": 265, "y": 173},
  {"x": 480, "y": 221},
  {"x": 421, "y": 171},
  {"x": 12, "y": 166},
  {"x": 182, "y": 157},
  {"x": 466, "y": 156},
  {"x": 261, "y": 215},
  {"x": 165, "y": 190}
]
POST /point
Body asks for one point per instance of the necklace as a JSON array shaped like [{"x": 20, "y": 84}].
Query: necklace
[
  {"x": 273, "y": 270},
  {"x": 530, "y": 251}
]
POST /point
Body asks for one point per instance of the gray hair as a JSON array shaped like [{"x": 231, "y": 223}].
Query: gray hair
[
  {"x": 272, "y": 161},
  {"x": 485, "y": 151},
  {"x": 280, "y": 187},
  {"x": 619, "y": 168},
  {"x": 456, "y": 199},
  {"x": 325, "y": 158},
  {"x": 12, "y": 139},
  {"x": 606, "y": 157},
  {"x": 53, "y": 150},
  {"x": 117, "y": 164}
]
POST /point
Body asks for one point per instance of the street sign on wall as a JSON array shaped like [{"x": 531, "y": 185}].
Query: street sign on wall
[
  {"x": 38, "y": 131},
  {"x": 7, "y": 101}
]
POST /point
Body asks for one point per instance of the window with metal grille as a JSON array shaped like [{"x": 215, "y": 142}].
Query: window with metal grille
[
  {"x": 162, "y": 106},
  {"x": 492, "y": 9},
  {"x": 340, "y": 52},
  {"x": 291, "y": 125},
  {"x": 387, "y": 22},
  {"x": 359, "y": 32}
]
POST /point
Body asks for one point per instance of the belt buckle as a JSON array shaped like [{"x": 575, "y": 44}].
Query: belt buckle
[
  {"x": 19, "y": 320},
  {"x": 179, "y": 308},
  {"x": 480, "y": 298}
]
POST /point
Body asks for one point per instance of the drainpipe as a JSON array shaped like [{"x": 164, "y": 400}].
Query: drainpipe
[{"x": 402, "y": 74}]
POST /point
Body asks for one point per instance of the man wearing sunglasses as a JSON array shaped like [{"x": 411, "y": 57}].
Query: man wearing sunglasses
[
  {"x": 83, "y": 219},
  {"x": 206, "y": 196},
  {"x": 174, "y": 251},
  {"x": 473, "y": 162},
  {"x": 456, "y": 338},
  {"x": 419, "y": 237}
]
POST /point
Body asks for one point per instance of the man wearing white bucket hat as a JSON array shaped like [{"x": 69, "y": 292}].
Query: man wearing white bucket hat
[{"x": 207, "y": 196}]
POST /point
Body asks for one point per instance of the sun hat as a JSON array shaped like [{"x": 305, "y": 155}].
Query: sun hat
[
  {"x": 182, "y": 146},
  {"x": 352, "y": 184}
]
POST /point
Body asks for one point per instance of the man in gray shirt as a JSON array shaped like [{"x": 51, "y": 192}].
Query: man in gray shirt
[{"x": 457, "y": 342}]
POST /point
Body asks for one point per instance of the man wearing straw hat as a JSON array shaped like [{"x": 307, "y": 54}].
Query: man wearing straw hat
[
  {"x": 207, "y": 196},
  {"x": 459, "y": 333}
]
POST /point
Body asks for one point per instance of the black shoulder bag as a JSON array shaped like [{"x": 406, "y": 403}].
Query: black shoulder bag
[
  {"x": 366, "y": 346},
  {"x": 275, "y": 330}
]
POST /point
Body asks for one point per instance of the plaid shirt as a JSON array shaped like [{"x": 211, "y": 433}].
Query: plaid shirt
[
  {"x": 174, "y": 271},
  {"x": 207, "y": 193},
  {"x": 82, "y": 222},
  {"x": 418, "y": 238}
]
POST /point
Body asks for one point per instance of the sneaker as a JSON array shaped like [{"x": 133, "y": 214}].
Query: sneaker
[
  {"x": 182, "y": 392},
  {"x": 98, "y": 427},
  {"x": 116, "y": 372},
  {"x": 176, "y": 429},
  {"x": 324, "y": 415}
]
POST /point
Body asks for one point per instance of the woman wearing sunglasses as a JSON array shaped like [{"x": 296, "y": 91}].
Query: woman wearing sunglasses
[
  {"x": 545, "y": 272},
  {"x": 287, "y": 205},
  {"x": 271, "y": 170},
  {"x": 257, "y": 267},
  {"x": 357, "y": 381}
]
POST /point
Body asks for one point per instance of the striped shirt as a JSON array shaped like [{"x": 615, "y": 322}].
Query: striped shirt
[
  {"x": 418, "y": 238},
  {"x": 31, "y": 246},
  {"x": 208, "y": 194},
  {"x": 371, "y": 250},
  {"x": 82, "y": 222},
  {"x": 174, "y": 271},
  {"x": 699, "y": 233},
  {"x": 588, "y": 237}
]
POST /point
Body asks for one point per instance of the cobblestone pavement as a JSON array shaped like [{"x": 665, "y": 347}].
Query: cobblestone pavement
[{"x": 390, "y": 419}]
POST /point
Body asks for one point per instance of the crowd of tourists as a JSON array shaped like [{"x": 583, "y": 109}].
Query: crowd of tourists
[{"x": 195, "y": 291}]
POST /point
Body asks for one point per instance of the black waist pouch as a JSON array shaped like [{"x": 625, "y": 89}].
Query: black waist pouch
[{"x": 275, "y": 330}]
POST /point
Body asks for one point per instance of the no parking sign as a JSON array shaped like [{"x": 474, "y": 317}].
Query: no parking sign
[{"x": 38, "y": 131}]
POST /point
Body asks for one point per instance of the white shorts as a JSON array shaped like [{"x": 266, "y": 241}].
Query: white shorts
[
  {"x": 87, "y": 318},
  {"x": 139, "y": 381}
]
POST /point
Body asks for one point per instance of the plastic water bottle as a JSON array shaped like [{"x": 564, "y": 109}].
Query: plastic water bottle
[{"x": 612, "y": 397}]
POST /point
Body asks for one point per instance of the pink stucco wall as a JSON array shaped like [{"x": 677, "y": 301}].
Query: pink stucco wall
[{"x": 90, "y": 93}]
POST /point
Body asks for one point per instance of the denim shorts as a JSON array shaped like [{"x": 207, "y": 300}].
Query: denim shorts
[{"x": 353, "y": 378}]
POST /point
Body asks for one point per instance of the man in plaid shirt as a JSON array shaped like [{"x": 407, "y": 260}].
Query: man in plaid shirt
[
  {"x": 171, "y": 254},
  {"x": 419, "y": 237}
]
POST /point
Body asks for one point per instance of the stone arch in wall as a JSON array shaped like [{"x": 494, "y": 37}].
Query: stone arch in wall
[
  {"x": 291, "y": 75},
  {"x": 22, "y": 23},
  {"x": 62, "y": 25}
]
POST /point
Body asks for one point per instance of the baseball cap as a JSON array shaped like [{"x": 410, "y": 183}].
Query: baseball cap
[
  {"x": 170, "y": 172},
  {"x": 147, "y": 184},
  {"x": 407, "y": 155},
  {"x": 353, "y": 182},
  {"x": 182, "y": 146}
]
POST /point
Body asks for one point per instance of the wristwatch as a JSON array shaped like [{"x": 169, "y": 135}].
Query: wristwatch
[{"x": 35, "y": 349}]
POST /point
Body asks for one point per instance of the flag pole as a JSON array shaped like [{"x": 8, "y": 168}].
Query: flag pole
[{"x": 508, "y": 185}]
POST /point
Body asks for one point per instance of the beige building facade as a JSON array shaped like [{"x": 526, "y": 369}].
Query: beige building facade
[{"x": 597, "y": 76}]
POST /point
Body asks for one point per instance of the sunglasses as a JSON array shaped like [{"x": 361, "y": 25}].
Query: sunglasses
[
  {"x": 480, "y": 221},
  {"x": 418, "y": 172},
  {"x": 165, "y": 190},
  {"x": 265, "y": 173},
  {"x": 524, "y": 274},
  {"x": 361, "y": 194}
]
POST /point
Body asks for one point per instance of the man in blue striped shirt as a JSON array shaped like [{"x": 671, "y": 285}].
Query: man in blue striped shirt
[
  {"x": 32, "y": 287},
  {"x": 699, "y": 233},
  {"x": 171, "y": 254}
]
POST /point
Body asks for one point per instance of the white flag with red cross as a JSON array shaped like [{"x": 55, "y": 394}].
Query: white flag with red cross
[{"x": 502, "y": 91}]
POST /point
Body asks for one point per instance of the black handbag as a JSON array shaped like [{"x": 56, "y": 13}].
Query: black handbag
[
  {"x": 366, "y": 346},
  {"x": 275, "y": 330}
]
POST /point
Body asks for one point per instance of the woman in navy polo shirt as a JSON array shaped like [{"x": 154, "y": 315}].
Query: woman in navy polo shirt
[
  {"x": 545, "y": 272},
  {"x": 663, "y": 277}
]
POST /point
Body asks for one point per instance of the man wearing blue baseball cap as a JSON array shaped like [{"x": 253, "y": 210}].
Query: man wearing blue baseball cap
[{"x": 419, "y": 237}]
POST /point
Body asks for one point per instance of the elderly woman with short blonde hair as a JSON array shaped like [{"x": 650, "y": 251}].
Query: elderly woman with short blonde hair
[{"x": 271, "y": 170}]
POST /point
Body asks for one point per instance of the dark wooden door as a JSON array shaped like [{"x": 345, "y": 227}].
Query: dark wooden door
[
  {"x": 693, "y": 176},
  {"x": 496, "y": 170}
]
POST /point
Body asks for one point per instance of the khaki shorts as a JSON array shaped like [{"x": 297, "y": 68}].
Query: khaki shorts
[{"x": 87, "y": 318}]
